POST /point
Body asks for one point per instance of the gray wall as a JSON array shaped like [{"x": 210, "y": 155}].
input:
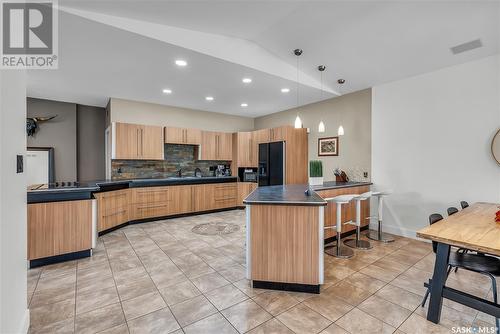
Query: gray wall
[
  {"x": 59, "y": 133},
  {"x": 90, "y": 140},
  {"x": 353, "y": 111}
]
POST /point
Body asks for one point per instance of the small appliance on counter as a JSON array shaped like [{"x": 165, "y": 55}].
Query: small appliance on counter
[
  {"x": 247, "y": 174},
  {"x": 221, "y": 170}
]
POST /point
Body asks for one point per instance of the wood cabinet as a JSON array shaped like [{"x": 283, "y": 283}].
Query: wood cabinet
[
  {"x": 57, "y": 228},
  {"x": 113, "y": 208},
  {"x": 244, "y": 189},
  {"x": 216, "y": 146},
  {"x": 175, "y": 135},
  {"x": 137, "y": 142},
  {"x": 296, "y": 155},
  {"x": 278, "y": 134},
  {"x": 245, "y": 150},
  {"x": 214, "y": 196},
  {"x": 348, "y": 210},
  {"x": 261, "y": 136},
  {"x": 160, "y": 201}
]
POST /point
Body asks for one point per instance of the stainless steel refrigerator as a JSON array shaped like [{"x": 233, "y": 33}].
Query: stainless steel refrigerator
[{"x": 272, "y": 164}]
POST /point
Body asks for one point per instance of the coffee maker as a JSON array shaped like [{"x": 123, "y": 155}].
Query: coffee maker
[{"x": 222, "y": 170}]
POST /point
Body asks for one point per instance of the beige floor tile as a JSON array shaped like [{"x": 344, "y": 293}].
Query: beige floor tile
[
  {"x": 415, "y": 324},
  {"x": 400, "y": 297},
  {"x": 451, "y": 318},
  {"x": 272, "y": 326},
  {"x": 209, "y": 282},
  {"x": 136, "y": 288},
  {"x": 384, "y": 310},
  {"x": 245, "y": 286},
  {"x": 197, "y": 270},
  {"x": 193, "y": 310},
  {"x": 158, "y": 322},
  {"x": 337, "y": 272},
  {"x": 275, "y": 302},
  {"x": 63, "y": 326},
  {"x": 94, "y": 299},
  {"x": 180, "y": 292},
  {"x": 365, "y": 282},
  {"x": 233, "y": 273},
  {"x": 50, "y": 296},
  {"x": 334, "y": 329},
  {"x": 379, "y": 273},
  {"x": 348, "y": 292},
  {"x": 330, "y": 307},
  {"x": 359, "y": 322},
  {"x": 246, "y": 315},
  {"x": 44, "y": 315},
  {"x": 139, "y": 306},
  {"x": 163, "y": 279},
  {"x": 221, "y": 263},
  {"x": 54, "y": 282},
  {"x": 120, "y": 329},
  {"x": 225, "y": 296},
  {"x": 391, "y": 265},
  {"x": 95, "y": 284},
  {"x": 303, "y": 320},
  {"x": 410, "y": 284},
  {"x": 130, "y": 275},
  {"x": 214, "y": 324},
  {"x": 58, "y": 269},
  {"x": 100, "y": 319}
]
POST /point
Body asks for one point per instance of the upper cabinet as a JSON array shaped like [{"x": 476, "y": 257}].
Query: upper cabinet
[
  {"x": 137, "y": 142},
  {"x": 245, "y": 149},
  {"x": 216, "y": 146},
  {"x": 277, "y": 134},
  {"x": 182, "y": 136}
]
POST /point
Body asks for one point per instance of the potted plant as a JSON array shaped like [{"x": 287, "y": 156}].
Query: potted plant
[{"x": 315, "y": 172}]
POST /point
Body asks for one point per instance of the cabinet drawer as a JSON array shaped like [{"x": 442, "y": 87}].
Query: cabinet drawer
[
  {"x": 150, "y": 195},
  {"x": 150, "y": 210},
  {"x": 114, "y": 218},
  {"x": 225, "y": 192}
]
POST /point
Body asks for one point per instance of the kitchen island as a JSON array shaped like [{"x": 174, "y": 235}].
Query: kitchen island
[
  {"x": 284, "y": 227},
  {"x": 285, "y": 233}
]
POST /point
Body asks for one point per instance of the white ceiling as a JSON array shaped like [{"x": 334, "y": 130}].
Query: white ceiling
[{"x": 126, "y": 49}]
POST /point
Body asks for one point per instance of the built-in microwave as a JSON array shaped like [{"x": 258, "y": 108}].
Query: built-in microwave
[{"x": 247, "y": 174}]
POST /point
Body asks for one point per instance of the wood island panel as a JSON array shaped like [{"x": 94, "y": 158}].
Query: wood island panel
[
  {"x": 57, "y": 228},
  {"x": 284, "y": 243},
  {"x": 348, "y": 212}
]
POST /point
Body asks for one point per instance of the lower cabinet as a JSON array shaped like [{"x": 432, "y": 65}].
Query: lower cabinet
[
  {"x": 57, "y": 228},
  {"x": 113, "y": 209},
  {"x": 244, "y": 189},
  {"x": 120, "y": 206}
]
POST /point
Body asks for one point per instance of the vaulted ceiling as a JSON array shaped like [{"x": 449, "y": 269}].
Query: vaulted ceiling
[{"x": 127, "y": 49}]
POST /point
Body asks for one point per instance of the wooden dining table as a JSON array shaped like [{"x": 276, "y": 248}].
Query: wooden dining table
[{"x": 473, "y": 228}]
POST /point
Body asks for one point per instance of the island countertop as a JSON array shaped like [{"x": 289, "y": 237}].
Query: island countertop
[{"x": 292, "y": 194}]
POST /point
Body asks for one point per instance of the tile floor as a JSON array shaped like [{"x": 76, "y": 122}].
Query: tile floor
[{"x": 160, "y": 277}]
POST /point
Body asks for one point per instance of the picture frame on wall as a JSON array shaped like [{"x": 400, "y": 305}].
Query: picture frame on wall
[{"x": 328, "y": 146}]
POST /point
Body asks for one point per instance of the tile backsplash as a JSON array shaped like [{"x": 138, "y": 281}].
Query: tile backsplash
[{"x": 176, "y": 157}]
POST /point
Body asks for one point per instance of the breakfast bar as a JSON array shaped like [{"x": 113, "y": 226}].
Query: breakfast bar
[{"x": 285, "y": 238}]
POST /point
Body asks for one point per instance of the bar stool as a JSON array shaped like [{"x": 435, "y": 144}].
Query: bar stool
[
  {"x": 338, "y": 250},
  {"x": 379, "y": 235},
  {"x": 357, "y": 243},
  {"x": 451, "y": 210}
]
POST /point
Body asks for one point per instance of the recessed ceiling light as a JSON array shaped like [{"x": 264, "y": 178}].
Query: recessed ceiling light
[
  {"x": 244, "y": 105},
  {"x": 167, "y": 91},
  {"x": 246, "y": 80},
  {"x": 285, "y": 90},
  {"x": 180, "y": 62},
  {"x": 209, "y": 98}
]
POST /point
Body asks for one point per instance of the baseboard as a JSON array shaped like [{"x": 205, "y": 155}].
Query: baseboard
[
  {"x": 397, "y": 230},
  {"x": 25, "y": 325}
]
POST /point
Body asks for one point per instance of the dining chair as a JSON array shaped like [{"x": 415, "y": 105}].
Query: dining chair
[
  {"x": 482, "y": 264},
  {"x": 464, "y": 204},
  {"x": 452, "y": 210}
]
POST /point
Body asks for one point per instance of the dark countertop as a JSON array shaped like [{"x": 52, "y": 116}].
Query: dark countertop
[
  {"x": 338, "y": 185},
  {"x": 293, "y": 194},
  {"x": 84, "y": 190}
]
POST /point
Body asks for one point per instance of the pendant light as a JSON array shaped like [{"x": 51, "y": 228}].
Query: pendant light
[
  {"x": 340, "y": 131},
  {"x": 298, "y": 121},
  {"x": 321, "y": 126}
]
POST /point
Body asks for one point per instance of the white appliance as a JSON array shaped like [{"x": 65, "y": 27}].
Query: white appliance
[{"x": 39, "y": 165}]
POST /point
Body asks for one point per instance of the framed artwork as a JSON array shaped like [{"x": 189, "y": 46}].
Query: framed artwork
[{"x": 328, "y": 146}]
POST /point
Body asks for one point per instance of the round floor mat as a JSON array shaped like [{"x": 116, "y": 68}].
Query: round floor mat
[{"x": 215, "y": 228}]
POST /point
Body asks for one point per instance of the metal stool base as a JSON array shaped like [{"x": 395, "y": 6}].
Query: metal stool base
[
  {"x": 358, "y": 244},
  {"x": 379, "y": 236},
  {"x": 343, "y": 253}
]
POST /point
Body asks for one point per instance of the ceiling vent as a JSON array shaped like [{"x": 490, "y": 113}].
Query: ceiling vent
[{"x": 466, "y": 46}]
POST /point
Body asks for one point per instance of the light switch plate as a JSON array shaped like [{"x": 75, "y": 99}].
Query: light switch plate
[{"x": 20, "y": 164}]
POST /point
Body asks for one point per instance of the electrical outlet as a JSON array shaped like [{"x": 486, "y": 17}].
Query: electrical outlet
[{"x": 365, "y": 174}]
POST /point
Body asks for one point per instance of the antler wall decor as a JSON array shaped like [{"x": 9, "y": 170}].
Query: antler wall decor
[{"x": 32, "y": 123}]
